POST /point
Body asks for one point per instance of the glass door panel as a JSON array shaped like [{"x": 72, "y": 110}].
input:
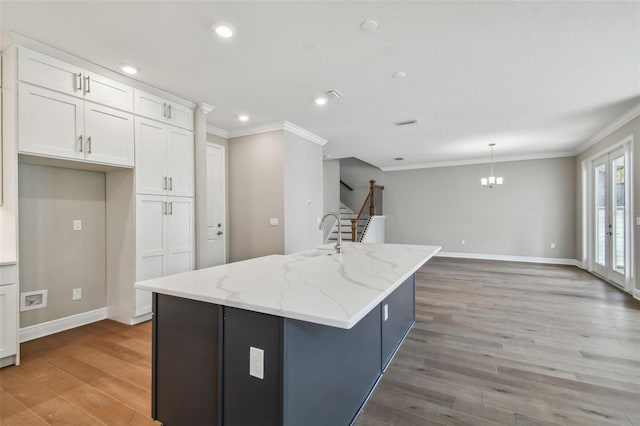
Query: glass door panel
[{"x": 600, "y": 215}]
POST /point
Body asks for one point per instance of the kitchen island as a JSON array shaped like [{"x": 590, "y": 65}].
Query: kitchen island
[{"x": 299, "y": 339}]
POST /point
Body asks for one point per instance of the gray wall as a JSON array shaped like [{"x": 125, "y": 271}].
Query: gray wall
[
  {"x": 52, "y": 255},
  {"x": 302, "y": 193},
  {"x": 534, "y": 208},
  {"x": 256, "y": 193},
  {"x": 330, "y": 192},
  {"x": 357, "y": 174},
  {"x": 632, "y": 128}
]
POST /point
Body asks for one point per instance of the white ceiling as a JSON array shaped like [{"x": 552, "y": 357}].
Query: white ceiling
[{"x": 536, "y": 78}]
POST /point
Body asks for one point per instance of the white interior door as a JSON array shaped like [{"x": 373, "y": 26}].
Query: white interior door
[
  {"x": 216, "y": 208},
  {"x": 611, "y": 216}
]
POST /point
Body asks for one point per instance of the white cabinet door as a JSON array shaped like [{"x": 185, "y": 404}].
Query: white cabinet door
[
  {"x": 109, "y": 135},
  {"x": 8, "y": 320},
  {"x": 50, "y": 123},
  {"x": 36, "y": 68},
  {"x": 109, "y": 92},
  {"x": 180, "y": 235},
  {"x": 149, "y": 105},
  {"x": 151, "y": 157},
  {"x": 180, "y": 116},
  {"x": 151, "y": 241},
  {"x": 180, "y": 162}
]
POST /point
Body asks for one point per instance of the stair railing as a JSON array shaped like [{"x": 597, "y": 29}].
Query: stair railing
[{"x": 371, "y": 199}]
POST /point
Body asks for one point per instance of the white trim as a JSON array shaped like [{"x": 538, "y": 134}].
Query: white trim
[
  {"x": 140, "y": 318},
  {"x": 217, "y": 131},
  {"x": 636, "y": 293},
  {"x": 610, "y": 128},
  {"x": 303, "y": 133},
  {"x": 61, "y": 324},
  {"x": 206, "y": 108},
  {"x": 508, "y": 258},
  {"x": 279, "y": 125},
  {"x": 478, "y": 161}
]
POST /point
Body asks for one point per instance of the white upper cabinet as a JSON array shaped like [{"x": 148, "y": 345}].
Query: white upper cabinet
[
  {"x": 165, "y": 159},
  {"x": 50, "y": 123},
  {"x": 58, "y": 125},
  {"x": 160, "y": 109},
  {"x": 108, "y": 92},
  {"x": 109, "y": 135},
  {"x": 54, "y": 74}
]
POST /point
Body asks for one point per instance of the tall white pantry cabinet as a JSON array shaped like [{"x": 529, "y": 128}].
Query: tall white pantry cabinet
[{"x": 67, "y": 112}]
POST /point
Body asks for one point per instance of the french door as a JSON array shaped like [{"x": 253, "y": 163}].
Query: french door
[{"x": 611, "y": 217}]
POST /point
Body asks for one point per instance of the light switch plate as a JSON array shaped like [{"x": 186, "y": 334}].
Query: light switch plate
[
  {"x": 77, "y": 225},
  {"x": 273, "y": 221},
  {"x": 256, "y": 362},
  {"x": 77, "y": 294}
]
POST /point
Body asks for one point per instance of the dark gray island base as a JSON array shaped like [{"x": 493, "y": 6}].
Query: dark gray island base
[{"x": 313, "y": 374}]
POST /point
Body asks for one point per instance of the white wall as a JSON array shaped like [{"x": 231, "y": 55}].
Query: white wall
[
  {"x": 303, "y": 203},
  {"x": 443, "y": 206},
  {"x": 330, "y": 192}
]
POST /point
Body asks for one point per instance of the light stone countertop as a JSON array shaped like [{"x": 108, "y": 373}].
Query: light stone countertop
[{"x": 318, "y": 286}]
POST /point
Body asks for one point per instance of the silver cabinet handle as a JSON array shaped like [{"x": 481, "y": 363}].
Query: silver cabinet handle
[
  {"x": 164, "y": 207},
  {"x": 171, "y": 208},
  {"x": 164, "y": 110},
  {"x": 164, "y": 182},
  {"x": 79, "y": 81},
  {"x": 170, "y": 183},
  {"x": 87, "y": 88},
  {"x": 169, "y": 110},
  {"x": 89, "y": 145},
  {"x": 81, "y": 143}
]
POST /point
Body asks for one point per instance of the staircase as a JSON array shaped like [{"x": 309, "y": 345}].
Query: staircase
[{"x": 346, "y": 214}]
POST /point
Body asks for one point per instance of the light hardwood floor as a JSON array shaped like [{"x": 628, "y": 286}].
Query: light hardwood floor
[{"x": 494, "y": 343}]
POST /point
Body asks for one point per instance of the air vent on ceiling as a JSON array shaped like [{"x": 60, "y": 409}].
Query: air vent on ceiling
[
  {"x": 406, "y": 122},
  {"x": 334, "y": 94},
  {"x": 398, "y": 158}
]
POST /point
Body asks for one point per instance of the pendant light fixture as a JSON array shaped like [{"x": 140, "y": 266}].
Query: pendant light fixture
[{"x": 491, "y": 181}]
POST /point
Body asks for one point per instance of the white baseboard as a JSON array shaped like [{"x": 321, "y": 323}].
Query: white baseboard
[
  {"x": 508, "y": 258},
  {"x": 140, "y": 318},
  {"x": 636, "y": 293},
  {"x": 61, "y": 324}
]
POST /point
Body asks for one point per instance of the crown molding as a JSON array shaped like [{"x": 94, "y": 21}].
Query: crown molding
[
  {"x": 610, "y": 128},
  {"x": 279, "y": 125},
  {"x": 217, "y": 131},
  {"x": 477, "y": 161},
  {"x": 206, "y": 108}
]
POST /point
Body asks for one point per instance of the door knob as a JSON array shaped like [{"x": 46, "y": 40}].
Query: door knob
[{"x": 219, "y": 233}]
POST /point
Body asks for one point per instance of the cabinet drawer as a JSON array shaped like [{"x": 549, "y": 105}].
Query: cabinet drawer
[{"x": 42, "y": 70}]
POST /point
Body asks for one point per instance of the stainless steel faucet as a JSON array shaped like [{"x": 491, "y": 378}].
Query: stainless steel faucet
[{"x": 337, "y": 216}]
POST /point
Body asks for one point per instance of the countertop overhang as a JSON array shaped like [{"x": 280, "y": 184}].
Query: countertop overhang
[{"x": 318, "y": 286}]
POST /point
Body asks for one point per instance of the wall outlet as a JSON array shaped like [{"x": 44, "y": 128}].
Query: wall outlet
[
  {"x": 385, "y": 312},
  {"x": 553, "y": 245},
  {"x": 77, "y": 293},
  {"x": 77, "y": 225},
  {"x": 256, "y": 362},
  {"x": 273, "y": 221}
]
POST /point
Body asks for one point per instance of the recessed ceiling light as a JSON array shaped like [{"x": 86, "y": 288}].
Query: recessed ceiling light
[
  {"x": 321, "y": 101},
  {"x": 369, "y": 26},
  {"x": 129, "y": 69},
  {"x": 223, "y": 30},
  {"x": 398, "y": 75},
  {"x": 243, "y": 117}
]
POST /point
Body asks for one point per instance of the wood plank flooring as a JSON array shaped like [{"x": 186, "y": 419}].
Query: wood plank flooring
[
  {"x": 513, "y": 344},
  {"x": 494, "y": 343}
]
